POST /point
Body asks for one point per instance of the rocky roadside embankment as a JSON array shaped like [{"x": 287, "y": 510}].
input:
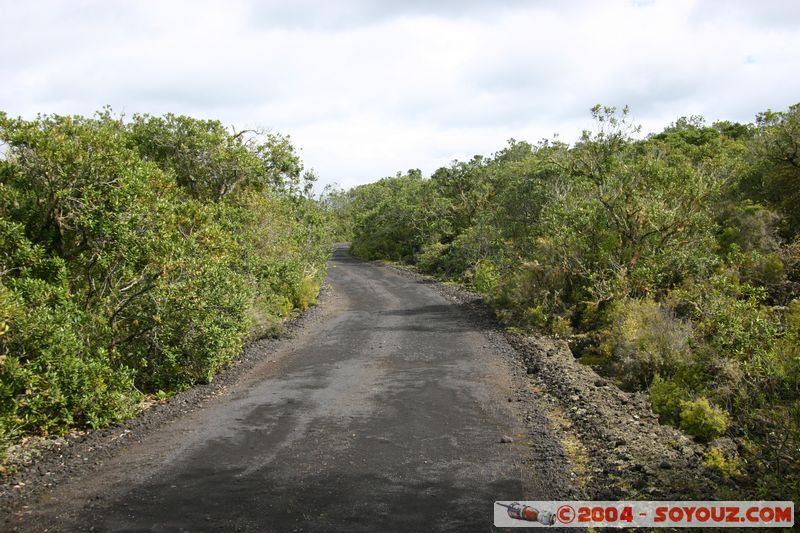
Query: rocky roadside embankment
[{"x": 615, "y": 444}]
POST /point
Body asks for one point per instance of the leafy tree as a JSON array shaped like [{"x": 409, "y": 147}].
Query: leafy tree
[
  {"x": 395, "y": 217},
  {"x": 776, "y": 150}
]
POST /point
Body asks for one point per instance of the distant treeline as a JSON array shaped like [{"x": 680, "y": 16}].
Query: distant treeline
[
  {"x": 136, "y": 256},
  {"x": 670, "y": 262}
]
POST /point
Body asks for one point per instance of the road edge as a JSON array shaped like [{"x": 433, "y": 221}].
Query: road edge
[
  {"x": 50, "y": 462},
  {"x": 615, "y": 446}
]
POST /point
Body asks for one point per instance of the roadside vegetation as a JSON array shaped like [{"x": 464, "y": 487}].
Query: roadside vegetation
[
  {"x": 136, "y": 257},
  {"x": 669, "y": 262}
]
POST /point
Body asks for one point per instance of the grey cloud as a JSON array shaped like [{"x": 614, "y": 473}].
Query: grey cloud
[{"x": 779, "y": 14}]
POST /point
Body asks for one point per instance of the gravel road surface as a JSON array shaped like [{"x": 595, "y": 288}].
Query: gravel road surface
[{"x": 391, "y": 410}]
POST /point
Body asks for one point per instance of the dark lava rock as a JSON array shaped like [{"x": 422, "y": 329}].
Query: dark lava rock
[{"x": 579, "y": 344}]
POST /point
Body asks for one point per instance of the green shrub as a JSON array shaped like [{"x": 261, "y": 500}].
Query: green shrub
[
  {"x": 729, "y": 316},
  {"x": 485, "y": 277},
  {"x": 136, "y": 258},
  {"x": 53, "y": 377},
  {"x": 702, "y": 420},
  {"x": 432, "y": 257},
  {"x": 763, "y": 269},
  {"x": 266, "y": 314},
  {"x": 747, "y": 227},
  {"x": 787, "y": 354},
  {"x": 199, "y": 327},
  {"x": 462, "y": 258},
  {"x": 306, "y": 293},
  {"x": 727, "y": 466},
  {"x": 667, "y": 397},
  {"x": 645, "y": 339},
  {"x": 395, "y": 217},
  {"x": 531, "y": 295},
  {"x": 733, "y": 341},
  {"x": 561, "y": 327}
]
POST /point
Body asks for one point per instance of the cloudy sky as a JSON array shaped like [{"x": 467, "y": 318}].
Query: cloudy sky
[{"x": 367, "y": 88}]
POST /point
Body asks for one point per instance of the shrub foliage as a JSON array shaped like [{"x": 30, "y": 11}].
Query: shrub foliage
[{"x": 137, "y": 255}]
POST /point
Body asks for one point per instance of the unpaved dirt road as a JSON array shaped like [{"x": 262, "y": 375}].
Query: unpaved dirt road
[{"x": 384, "y": 414}]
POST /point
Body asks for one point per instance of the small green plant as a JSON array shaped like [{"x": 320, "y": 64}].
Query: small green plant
[
  {"x": 306, "y": 293},
  {"x": 432, "y": 257},
  {"x": 702, "y": 420},
  {"x": 666, "y": 397},
  {"x": 561, "y": 327},
  {"x": 486, "y": 277},
  {"x": 536, "y": 317},
  {"x": 727, "y": 466},
  {"x": 645, "y": 339}
]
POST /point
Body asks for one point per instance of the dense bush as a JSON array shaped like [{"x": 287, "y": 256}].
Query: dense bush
[
  {"x": 680, "y": 251},
  {"x": 484, "y": 277},
  {"x": 729, "y": 467},
  {"x": 646, "y": 339},
  {"x": 666, "y": 398},
  {"x": 136, "y": 256},
  {"x": 703, "y": 420}
]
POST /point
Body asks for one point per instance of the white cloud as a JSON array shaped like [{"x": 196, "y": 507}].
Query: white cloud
[{"x": 369, "y": 88}]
